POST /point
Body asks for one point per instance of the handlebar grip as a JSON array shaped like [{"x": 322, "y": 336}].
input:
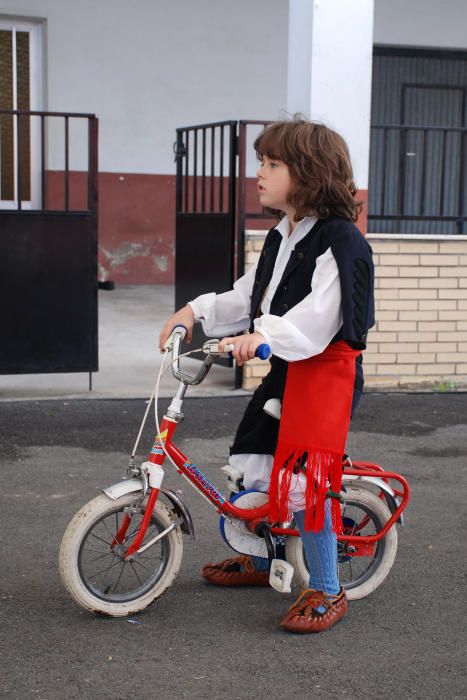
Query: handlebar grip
[
  {"x": 180, "y": 328},
  {"x": 263, "y": 351}
]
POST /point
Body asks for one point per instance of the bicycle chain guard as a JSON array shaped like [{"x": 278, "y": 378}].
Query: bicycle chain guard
[{"x": 236, "y": 533}]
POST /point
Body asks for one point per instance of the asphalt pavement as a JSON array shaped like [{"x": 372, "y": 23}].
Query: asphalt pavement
[{"x": 406, "y": 640}]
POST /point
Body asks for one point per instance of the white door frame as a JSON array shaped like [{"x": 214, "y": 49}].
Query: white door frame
[{"x": 36, "y": 97}]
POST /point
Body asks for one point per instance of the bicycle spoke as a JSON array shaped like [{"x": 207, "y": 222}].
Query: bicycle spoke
[
  {"x": 135, "y": 572},
  {"x": 112, "y": 534},
  {"x": 87, "y": 548},
  {"x": 119, "y": 577},
  {"x": 108, "y": 568},
  {"x": 137, "y": 561},
  {"x": 106, "y": 554},
  {"x": 356, "y": 562},
  {"x": 99, "y": 538}
]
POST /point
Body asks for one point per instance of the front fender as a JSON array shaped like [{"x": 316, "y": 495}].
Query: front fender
[{"x": 121, "y": 488}]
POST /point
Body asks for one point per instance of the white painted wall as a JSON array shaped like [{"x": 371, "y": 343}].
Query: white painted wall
[
  {"x": 329, "y": 77},
  {"x": 421, "y": 23},
  {"x": 149, "y": 66}
]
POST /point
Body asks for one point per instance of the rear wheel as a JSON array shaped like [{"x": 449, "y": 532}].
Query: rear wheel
[
  {"x": 93, "y": 567},
  {"x": 363, "y": 514}
]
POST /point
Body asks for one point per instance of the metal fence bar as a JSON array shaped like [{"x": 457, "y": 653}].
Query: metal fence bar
[
  {"x": 443, "y": 173},
  {"x": 401, "y": 174},
  {"x": 383, "y": 183},
  {"x": 43, "y": 185},
  {"x": 414, "y": 217},
  {"x": 241, "y": 207},
  {"x": 412, "y": 206},
  {"x": 195, "y": 171},
  {"x": 462, "y": 129},
  {"x": 179, "y": 169},
  {"x": 203, "y": 173},
  {"x": 423, "y": 173},
  {"x": 37, "y": 113},
  {"x": 221, "y": 171},
  {"x": 93, "y": 165},
  {"x": 243, "y": 213},
  {"x": 187, "y": 180},
  {"x": 462, "y": 166},
  {"x": 213, "y": 148},
  {"x": 67, "y": 164},
  {"x": 18, "y": 163},
  {"x": 41, "y": 181}
]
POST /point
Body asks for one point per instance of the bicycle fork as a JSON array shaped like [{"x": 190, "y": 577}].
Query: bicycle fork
[{"x": 154, "y": 473}]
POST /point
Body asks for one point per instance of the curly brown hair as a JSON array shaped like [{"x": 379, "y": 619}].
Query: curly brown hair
[{"x": 320, "y": 168}]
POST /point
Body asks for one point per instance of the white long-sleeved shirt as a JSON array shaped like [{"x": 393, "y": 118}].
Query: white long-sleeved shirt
[{"x": 306, "y": 329}]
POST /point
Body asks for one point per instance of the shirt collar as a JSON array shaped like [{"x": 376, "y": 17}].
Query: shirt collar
[{"x": 304, "y": 225}]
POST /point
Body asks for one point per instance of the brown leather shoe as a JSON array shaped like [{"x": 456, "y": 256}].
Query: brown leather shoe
[
  {"x": 303, "y": 617},
  {"x": 239, "y": 571}
]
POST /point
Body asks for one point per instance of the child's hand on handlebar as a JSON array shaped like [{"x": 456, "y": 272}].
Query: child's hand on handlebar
[
  {"x": 183, "y": 317},
  {"x": 245, "y": 346}
]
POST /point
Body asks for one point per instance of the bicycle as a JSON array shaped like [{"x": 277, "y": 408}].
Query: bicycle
[{"x": 123, "y": 549}]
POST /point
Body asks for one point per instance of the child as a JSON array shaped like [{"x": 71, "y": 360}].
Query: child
[{"x": 310, "y": 297}]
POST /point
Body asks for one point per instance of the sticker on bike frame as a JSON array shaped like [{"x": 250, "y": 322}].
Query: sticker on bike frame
[
  {"x": 163, "y": 435},
  {"x": 157, "y": 449},
  {"x": 205, "y": 483}
]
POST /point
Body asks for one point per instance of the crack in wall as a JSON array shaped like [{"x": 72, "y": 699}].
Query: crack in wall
[{"x": 125, "y": 252}]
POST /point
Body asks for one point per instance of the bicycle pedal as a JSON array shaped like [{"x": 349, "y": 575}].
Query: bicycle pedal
[{"x": 280, "y": 575}]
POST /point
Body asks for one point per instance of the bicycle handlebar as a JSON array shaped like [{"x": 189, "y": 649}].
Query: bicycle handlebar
[{"x": 211, "y": 348}]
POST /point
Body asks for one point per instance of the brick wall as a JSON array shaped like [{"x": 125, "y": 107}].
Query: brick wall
[{"x": 420, "y": 337}]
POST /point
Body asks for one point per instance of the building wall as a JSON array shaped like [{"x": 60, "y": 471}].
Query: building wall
[
  {"x": 145, "y": 68},
  {"x": 421, "y": 23},
  {"x": 420, "y": 337}
]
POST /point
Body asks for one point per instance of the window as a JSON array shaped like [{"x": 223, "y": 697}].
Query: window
[{"x": 20, "y": 88}]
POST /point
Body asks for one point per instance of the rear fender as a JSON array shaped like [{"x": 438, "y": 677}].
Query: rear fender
[{"x": 388, "y": 492}]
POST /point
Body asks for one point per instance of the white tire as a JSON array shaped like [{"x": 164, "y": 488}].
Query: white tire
[
  {"x": 371, "y": 571},
  {"x": 86, "y": 545}
]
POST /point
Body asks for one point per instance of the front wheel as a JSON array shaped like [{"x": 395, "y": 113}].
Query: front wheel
[
  {"x": 92, "y": 565},
  {"x": 363, "y": 513}
]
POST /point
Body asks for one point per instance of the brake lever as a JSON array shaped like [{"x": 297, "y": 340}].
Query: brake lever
[{"x": 211, "y": 347}]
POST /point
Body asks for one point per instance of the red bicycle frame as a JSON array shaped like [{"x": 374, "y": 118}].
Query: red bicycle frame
[{"x": 362, "y": 544}]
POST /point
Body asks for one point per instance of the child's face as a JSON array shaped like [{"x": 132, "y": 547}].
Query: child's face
[{"x": 274, "y": 183}]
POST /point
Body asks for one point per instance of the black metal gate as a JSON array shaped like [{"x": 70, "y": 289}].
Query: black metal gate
[
  {"x": 211, "y": 212},
  {"x": 205, "y": 212},
  {"x": 48, "y": 247}
]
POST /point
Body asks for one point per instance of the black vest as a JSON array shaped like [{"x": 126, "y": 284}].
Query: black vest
[{"x": 353, "y": 257}]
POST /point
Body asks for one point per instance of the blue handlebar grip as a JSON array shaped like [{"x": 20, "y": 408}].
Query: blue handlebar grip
[{"x": 263, "y": 351}]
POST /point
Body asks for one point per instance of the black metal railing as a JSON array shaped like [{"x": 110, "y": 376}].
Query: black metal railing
[
  {"x": 205, "y": 156},
  {"x": 244, "y": 212},
  {"x": 417, "y": 179},
  {"x": 22, "y": 146}
]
